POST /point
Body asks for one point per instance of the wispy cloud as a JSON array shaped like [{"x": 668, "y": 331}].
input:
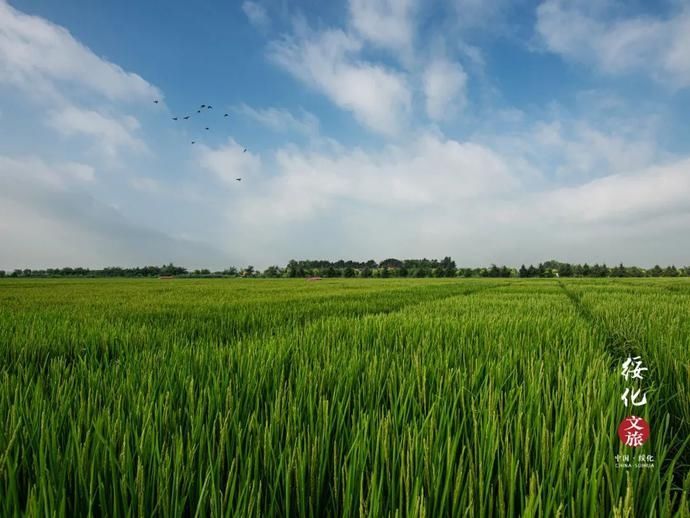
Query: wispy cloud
[
  {"x": 327, "y": 61},
  {"x": 37, "y": 55},
  {"x": 109, "y": 134},
  {"x": 445, "y": 85},
  {"x": 282, "y": 120},
  {"x": 257, "y": 15},
  {"x": 386, "y": 23},
  {"x": 657, "y": 46}
]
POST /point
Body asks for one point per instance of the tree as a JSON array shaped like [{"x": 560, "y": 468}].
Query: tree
[
  {"x": 171, "y": 269},
  {"x": 366, "y": 272},
  {"x": 618, "y": 271},
  {"x": 348, "y": 272},
  {"x": 446, "y": 268},
  {"x": 656, "y": 271},
  {"x": 272, "y": 272},
  {"x": 670, "y": 271},
  {"x": 248, "y": 271},
  {"x": 391, "y": 263},
  {"x": 565, "y": 270},
  {"x": 523, "y": 271},
  {"x": 421, "y": 272}
]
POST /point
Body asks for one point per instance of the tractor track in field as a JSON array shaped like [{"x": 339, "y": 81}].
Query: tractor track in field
[
  {"x": 618, "y": 347},
  {"x": 616, "y": 344},
  {"x": 305, "y": 323},
  {"x": 245, "y": 331}
]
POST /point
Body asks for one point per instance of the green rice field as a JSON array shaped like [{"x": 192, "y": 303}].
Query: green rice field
[{"x": 381, "y": 397}]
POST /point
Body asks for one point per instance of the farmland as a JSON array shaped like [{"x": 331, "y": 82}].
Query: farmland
[{"x": 426, "y": 397}]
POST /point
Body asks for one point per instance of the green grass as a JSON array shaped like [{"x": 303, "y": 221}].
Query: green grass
[{"x": 340, "y": 398}]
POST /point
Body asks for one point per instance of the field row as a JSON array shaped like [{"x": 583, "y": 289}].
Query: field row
[{"x": 340, "y": 398}]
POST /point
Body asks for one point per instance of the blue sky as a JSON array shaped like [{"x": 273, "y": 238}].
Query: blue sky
[{"x": 492, "y": 131}]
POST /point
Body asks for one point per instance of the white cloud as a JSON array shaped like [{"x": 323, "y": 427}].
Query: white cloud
[
  {"x": 445, "y": 86},
  {"x": 627, "y": 198},
  {"x": 78, "y": 171},
  {"x": 568, "y": 148},
  {"x": 443, "y": 196},
  {"x": 281, "y": 120},
  {"x": 386, "y": 23},
  {"x": 32, "y": 169},
  {"x": 327, "y": 61},
  {"x": 230, "y": 161},
  {"x": 652, "y": 45},
  {"x": 257, "y": 14},
  {"x": 430, "y": 172},
  {"x": 37, "y": 55},
  {"x": 111, "y": 134},
  {"x": 146, "y": 185},
  {"x": 48, "y": 220}
]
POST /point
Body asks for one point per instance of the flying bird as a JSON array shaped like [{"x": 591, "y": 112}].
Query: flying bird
[
  {"x": 192, "y": 142},
  {"x": 244, "y": 150},
  {"x": 155, "y": 102},
  {"x": 174, "y": 118},
  {"x": 203, "y": 106},
  {"x": 185, "y": 118},
  {"x": 226, "y": 115},
  {"x": 209, "y": 107},
  {"x": 238, "y": 179},
  {"x": 206, "y": 129},
  {"x": 198, "y": 111}
]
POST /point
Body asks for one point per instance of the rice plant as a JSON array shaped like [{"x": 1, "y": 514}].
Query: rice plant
[{"x": 430, "y": 397}]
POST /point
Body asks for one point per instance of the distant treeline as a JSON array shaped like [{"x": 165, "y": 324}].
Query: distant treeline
[{"x": 417, "y": 268}]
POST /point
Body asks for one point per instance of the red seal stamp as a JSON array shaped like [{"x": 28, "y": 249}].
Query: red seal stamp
[{"x": 633, "y": 431}]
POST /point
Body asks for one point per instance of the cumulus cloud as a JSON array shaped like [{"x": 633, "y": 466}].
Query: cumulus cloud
[
  {"x": 386, "y": 23},
  {"x": 626, "y": 197},
  {"x": 36, "y": 54},
  {"x": 445, "y": 196},
  {"x": 110, "y": 134},
  {"x": 230, "y": 161},
  {"x": 35, "y": 170},
  {"x": 327, "y": 61},
  {"x": 445, "y": 86},
  {"x": 429, "y": 172},
  {"x": 576, "y": 150},
  {"x": 655, "y": 46}
]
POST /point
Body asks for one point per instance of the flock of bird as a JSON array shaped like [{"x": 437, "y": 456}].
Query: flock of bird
[{"x": 203, "y": 107}]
